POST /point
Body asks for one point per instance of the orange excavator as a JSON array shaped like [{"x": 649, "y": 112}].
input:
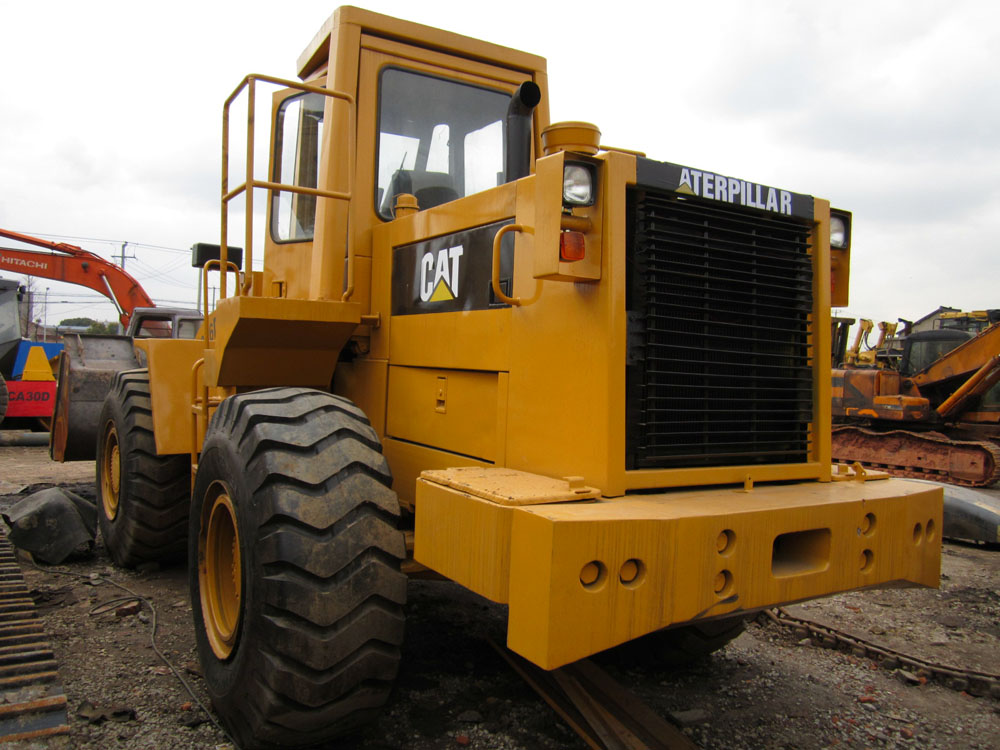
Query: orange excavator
[
  {"x": 68, "y": 404},
  {"x": 932, "y": 412}
]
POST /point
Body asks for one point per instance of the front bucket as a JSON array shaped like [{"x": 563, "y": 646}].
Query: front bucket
[{"x": 86, "y": 367}]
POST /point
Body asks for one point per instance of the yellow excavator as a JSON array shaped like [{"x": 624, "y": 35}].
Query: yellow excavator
[{"x": 930, "y": 408}]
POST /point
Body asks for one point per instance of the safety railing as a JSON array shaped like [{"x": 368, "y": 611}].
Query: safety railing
[{"x": 250, "y": 182}]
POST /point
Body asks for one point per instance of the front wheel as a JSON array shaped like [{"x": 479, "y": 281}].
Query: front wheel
[
  {"x": 294, "y": 556},
  {"x": 142, "y": 497}
]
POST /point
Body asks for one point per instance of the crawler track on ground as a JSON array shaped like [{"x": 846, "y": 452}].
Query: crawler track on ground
[
  {"x": 925, "y": 455},
  {"x": 915, "y": 669},
  {"x": 35, "y": 704}
]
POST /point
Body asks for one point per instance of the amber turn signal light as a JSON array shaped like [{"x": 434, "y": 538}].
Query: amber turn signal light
[{"x": 572, "y": 246}]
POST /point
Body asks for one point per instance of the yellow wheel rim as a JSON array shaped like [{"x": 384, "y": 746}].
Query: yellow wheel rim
[
  {"x": 219, "y": 573},
  {"x": 111, "y": 472}
]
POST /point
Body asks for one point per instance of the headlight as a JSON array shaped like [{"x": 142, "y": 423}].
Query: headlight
[
  {"x": 840, "y": 231},
  {"x": 578, "y": 184}
]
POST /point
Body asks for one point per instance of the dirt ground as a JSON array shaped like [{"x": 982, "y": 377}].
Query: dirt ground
[{"x": 770, "y": 688}]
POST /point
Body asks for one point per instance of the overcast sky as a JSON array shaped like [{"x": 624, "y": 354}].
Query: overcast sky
[{"x": 110, "y": 118}]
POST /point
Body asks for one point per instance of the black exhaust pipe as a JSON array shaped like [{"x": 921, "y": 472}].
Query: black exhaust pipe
[{"x": 519, "y": 111}]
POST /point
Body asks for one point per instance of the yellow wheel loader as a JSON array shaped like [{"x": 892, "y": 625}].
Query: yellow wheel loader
[{"x": 582, "y": 382}]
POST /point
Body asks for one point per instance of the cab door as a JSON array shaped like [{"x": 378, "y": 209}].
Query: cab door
[
  {"x": 429, "y": 124},
  {"x": 433, "y": 381}
]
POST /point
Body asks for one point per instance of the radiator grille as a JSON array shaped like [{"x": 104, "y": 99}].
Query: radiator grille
[{"x": 719, "y": 300}]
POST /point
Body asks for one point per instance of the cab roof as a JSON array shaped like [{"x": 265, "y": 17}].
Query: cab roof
[{"x": 317, "y": 54}]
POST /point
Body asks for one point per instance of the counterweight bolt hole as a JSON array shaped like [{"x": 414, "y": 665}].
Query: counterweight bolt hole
[
  {"x": 723, "y": 583},
  {"x": 593, "y": 575},
  {"x": 724, "y": 544},
  {"x": 867, "y": 560},
  {"x": 632, "y": 573}
]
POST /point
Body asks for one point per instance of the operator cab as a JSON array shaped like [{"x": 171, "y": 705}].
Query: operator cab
[
  {"x": 10, "y": 326},
  {"x": 923, "y": 348}
]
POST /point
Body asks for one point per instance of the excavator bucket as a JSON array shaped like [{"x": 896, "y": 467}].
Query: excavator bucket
[{"x": 86, "y": 368}]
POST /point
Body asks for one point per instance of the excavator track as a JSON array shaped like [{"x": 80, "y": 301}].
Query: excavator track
[
  {"x": 968, "y": 681},
  {"x": 33, "y": 706},
  {"x": 919, "y": 455}
]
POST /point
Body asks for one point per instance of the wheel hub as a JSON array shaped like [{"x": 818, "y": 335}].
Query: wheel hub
[
  {"x": 219, "y": 571},
  {"x": 111, "y": 472}
]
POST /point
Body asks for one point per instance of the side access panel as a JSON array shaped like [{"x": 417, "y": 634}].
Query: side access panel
[{"x": 171, "y": 364}]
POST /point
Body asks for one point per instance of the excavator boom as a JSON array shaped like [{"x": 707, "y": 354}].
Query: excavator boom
[
  {"x": 74, "y": 265},
  {"x": 964, "y": 359}
]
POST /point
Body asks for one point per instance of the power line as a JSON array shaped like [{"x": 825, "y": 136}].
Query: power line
[
  {"x": 105, "y": 301},
  {"x": 116, "y": 243}
]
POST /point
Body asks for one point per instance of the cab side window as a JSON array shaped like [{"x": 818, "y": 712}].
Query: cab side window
[{"x": 297, "y": 137}]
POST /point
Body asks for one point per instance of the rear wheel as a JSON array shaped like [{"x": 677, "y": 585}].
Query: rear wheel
[
  {"x": 142, "y": 497},
  {"x": 293, "y": 565},
  {"x": 676, "y": 647}
]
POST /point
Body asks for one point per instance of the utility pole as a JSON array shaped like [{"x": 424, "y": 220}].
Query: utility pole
[{"x": 121, "y": 258}]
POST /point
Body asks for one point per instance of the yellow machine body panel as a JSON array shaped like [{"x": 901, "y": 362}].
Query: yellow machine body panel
[
  {"x": 260, "y": 341},
  {"x": 455, "y": 410},
  {"x": 172, "y": 373},
  {"x": 563, "y": 346},
  {"x": 581, "y": 577}
]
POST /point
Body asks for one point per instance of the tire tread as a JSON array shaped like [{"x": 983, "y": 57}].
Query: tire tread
[
  {"x": 155, "y": 489},
  {"x": 326, "y": 639}
]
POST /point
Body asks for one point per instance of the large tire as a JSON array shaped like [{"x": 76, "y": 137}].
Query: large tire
[
  {"x": 142, "y": 498},
  {"x": 676, "y": 647},
  {"x": 294, "y": 568}
]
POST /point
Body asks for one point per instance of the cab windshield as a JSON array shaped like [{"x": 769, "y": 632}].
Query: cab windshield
[{"x": 439, "y": 139}]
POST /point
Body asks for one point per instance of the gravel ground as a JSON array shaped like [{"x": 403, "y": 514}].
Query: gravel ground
[{"x": 770, "y": 688}]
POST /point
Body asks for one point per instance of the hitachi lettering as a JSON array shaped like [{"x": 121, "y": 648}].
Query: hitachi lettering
[
  {"x": 22, "y": 262},
  {"x": 731, "y": 190}
]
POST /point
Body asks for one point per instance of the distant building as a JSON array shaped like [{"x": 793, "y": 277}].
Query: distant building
[{"x": 928, "y": 322}]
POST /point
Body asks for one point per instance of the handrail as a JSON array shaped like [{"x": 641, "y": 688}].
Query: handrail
[
  {"x": 247, "y": 186},
  {"x": 290, "y": 188},
  {"x": 495, "y": 276},
  {"x": 198, "y": 407},
  {"x": 209, "y": 265}
]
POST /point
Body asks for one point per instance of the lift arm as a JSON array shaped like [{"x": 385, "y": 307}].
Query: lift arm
[{"x": 72, "y": 264}]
